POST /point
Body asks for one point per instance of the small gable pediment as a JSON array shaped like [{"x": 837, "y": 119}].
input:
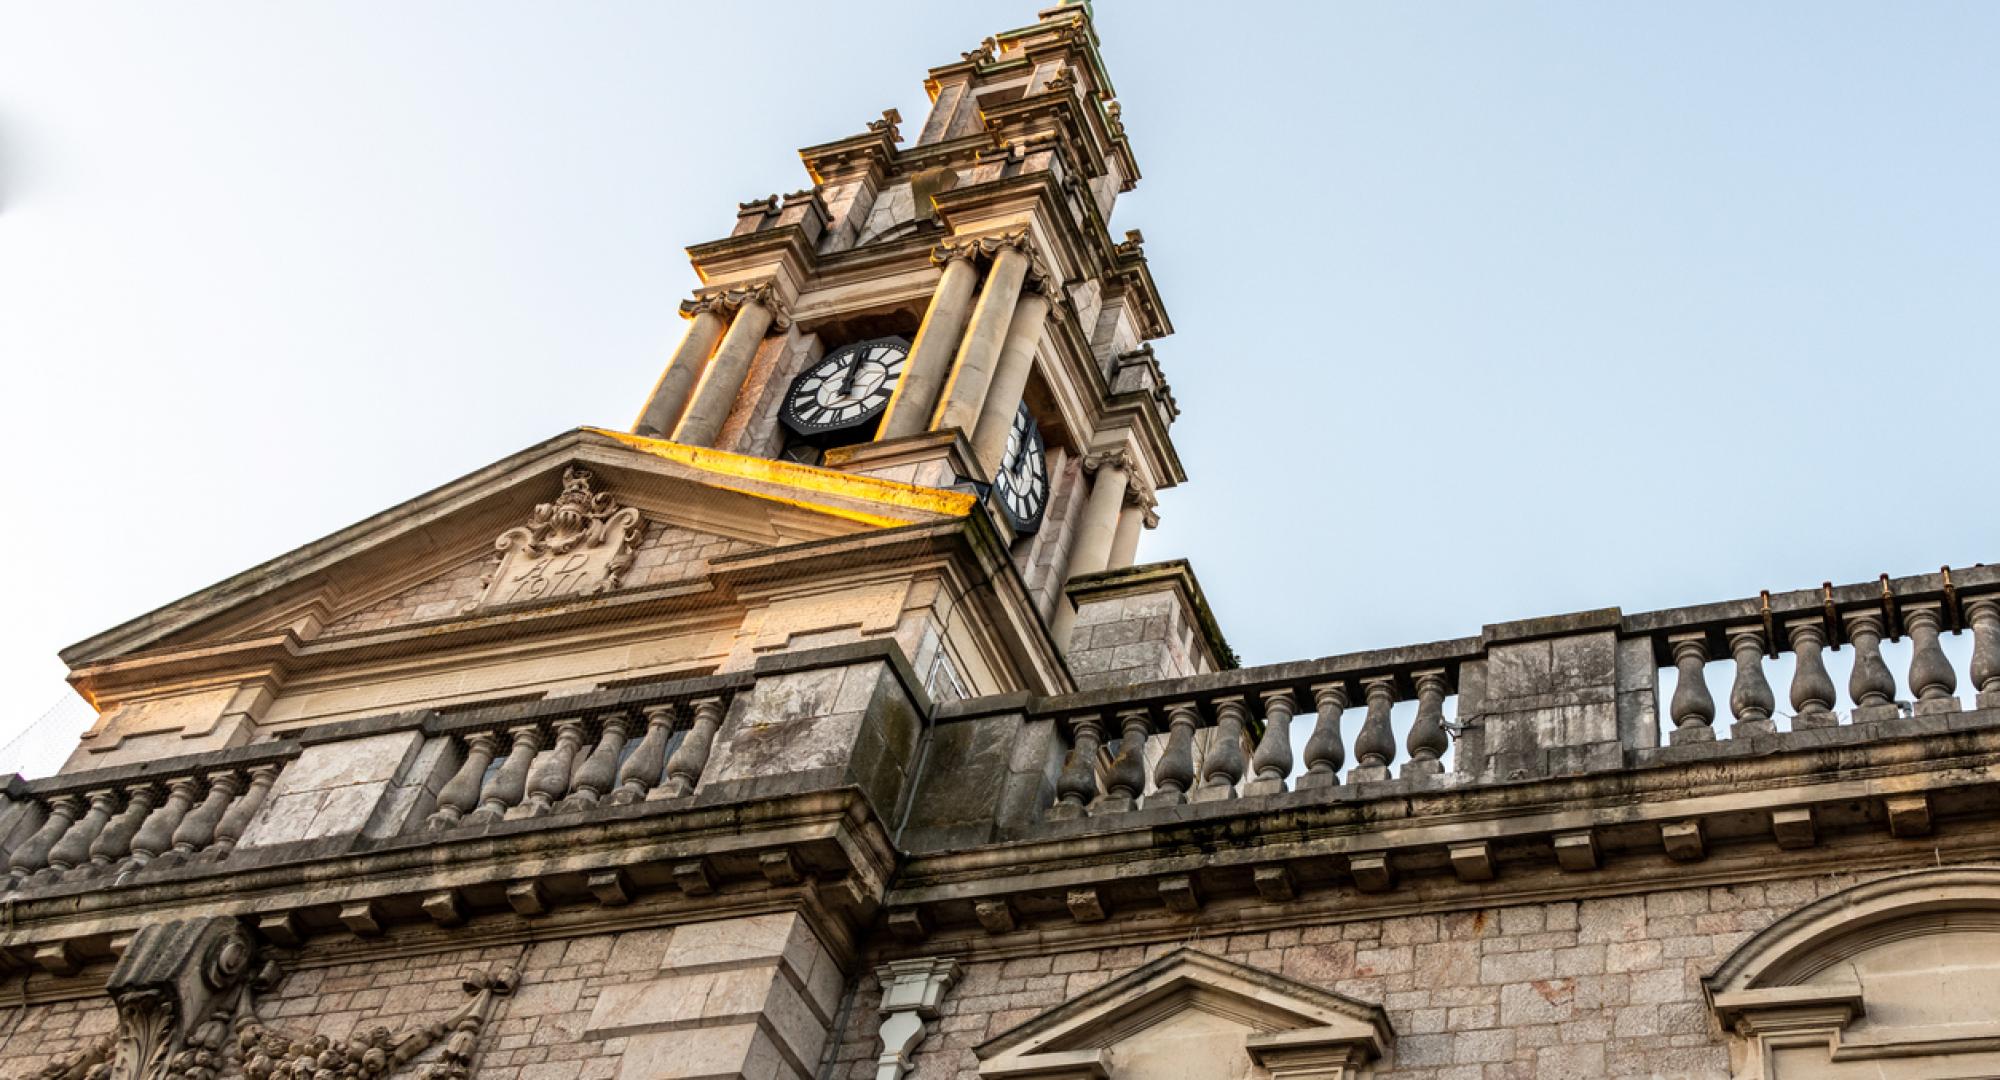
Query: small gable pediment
[
  {"x": 1191, "y": 1013},
  {"x": 610, "y": 511}
]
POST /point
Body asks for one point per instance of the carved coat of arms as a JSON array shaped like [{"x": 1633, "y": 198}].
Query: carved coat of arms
[{"x": 578, "y": 545}]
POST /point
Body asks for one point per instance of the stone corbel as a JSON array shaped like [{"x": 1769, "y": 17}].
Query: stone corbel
[{"x": 911, "y": 991}]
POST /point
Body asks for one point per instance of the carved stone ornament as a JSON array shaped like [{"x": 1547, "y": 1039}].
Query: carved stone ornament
[
  {"x": 981, "y": 248},
  {"x": 184, "y": 995},
  {"x": 578, "y": 545}
]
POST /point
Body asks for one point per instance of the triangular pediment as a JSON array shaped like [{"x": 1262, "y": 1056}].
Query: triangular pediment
[
  {"x": 679, "y": 506},
  {"x": 1197, "y": 1001}
]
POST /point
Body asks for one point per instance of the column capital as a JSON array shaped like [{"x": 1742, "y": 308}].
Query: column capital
[
  {"x": 728, "y": 300},
  {"x": 1108, "y": 459},
  {"x": 982, "y": 248}
]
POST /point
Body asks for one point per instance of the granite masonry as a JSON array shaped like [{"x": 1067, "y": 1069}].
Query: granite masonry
[{"x": 823, "y": 727}]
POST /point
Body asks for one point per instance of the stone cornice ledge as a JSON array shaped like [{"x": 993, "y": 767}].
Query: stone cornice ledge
[
  {"x": 1425, "y": 844},
  {"x": 676, "y": 857}
]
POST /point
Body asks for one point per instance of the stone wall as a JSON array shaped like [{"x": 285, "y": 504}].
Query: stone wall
[
  {"x": 32, "y": 1036},
  {"x": 656, "y": 1003},
  {"x": 1570, "y": 990}
]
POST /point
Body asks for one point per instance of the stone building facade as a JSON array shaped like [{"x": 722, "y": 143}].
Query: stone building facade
[{"x": 822, "y": 726}]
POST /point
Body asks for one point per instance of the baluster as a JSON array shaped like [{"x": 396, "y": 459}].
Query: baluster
[
  {"x": 1076, "y": 787},
  {"x": 641, "y": 770},
  {"x": 461, "y": 793},
  {"x": 1173, "y": 774},
  {"x": 1984, "y": 615},
  {"x": 507, "y": 787},
  {"x": 1750, "y": 696},
  {"x": 1692, "y": 708},
  {"x": 157, "y": 833},
  {"x": 691, "y": 756},
  {"x": 595, "y": 775},
  {"x": 197, "y": 830},
  {"x": 1125, "y": 781},
  {"x": 1273, "y": 759},
  {"x": 1222, "y": 766},
  {"x": 1428, "y": 738},
  {"x": 1812, "y": 687},
  {"x": 1325, "y": 752},
  {"x": 74, "y": 847},
  {"x": 548, "y": 778},
  {"x": 242, "y": 812},
  {"x": 115, "y": 842},
  {"x": 33, "y": 854},
  {"x": 1871, "y": 685},
  {"x": 1375, "y": 744},
  {"x": 1931, "y": 676}
]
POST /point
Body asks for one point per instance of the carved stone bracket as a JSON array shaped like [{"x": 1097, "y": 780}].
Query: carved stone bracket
[
  {"x": 911, "y": 992},
  {"x": 578, "y": 545}
]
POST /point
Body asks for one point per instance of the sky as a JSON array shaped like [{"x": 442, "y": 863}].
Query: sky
[{"x": 1484, "y": 311}]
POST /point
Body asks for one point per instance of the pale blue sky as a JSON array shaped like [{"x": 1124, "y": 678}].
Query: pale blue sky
[{"x": 1486, "y": 310}]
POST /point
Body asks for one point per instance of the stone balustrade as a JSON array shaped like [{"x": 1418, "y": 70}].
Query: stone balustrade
[
  {"x": 645, "y": 750},
  {"x": 111, "y": 824},
  {"x": 1808, "y": 626},
  {"x": 1565, "y": 695},
  {"x": 1239, "y": 733}
]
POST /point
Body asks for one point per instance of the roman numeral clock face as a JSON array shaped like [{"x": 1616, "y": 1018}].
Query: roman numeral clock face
[
  {"x": 1023, "y": 483},
  {"x": 847, "y": 388}
]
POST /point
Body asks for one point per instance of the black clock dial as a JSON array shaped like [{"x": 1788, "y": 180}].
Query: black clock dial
[
  {"x": 1022, "y": 487},
  {"x": 847, "y": 388}
]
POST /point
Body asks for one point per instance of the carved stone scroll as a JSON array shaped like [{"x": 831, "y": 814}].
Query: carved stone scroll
[{"x": 578, "y": 545}]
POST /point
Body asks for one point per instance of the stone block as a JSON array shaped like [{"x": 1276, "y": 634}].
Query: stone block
[
  {"x": 1275, "y": 884},
  {"x": 1576, "y": 851},
  {"x": 997, "y": 916},
  {"x": 1180, "y": 894},
  {"x": 1472, "y": 861},
  {"x": 1685, "y": 841},
  {"x": 1909, "y": 815},
  {"x": 1372, "y": 873},
  {"x": 1086, "y": 905},
  {"x": 1793, "y": 827}
]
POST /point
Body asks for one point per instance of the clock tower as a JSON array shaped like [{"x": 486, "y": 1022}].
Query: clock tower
[{"x": 952, "y": 310}]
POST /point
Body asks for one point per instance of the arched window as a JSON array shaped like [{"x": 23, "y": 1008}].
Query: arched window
[{"x": 1897, "y": 979}]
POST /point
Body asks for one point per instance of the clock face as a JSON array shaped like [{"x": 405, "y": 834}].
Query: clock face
[
  {"x": 847, "y": 388},
  {"x": 1022, "y": 487}
]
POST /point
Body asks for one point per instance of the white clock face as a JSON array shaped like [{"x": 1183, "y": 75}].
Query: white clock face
[
  {"x": 1022, "y": 487},
  {"x": 847, "y": 388}
]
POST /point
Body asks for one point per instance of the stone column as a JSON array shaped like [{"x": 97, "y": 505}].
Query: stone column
[
  {"x": 916, "y": 393},
  {"x": 1133, "y": 520},
  {"x": 723, "y": 380},
  {"x": 1010, "y": 381},
  {"x": 964, "y": 397},
  {"x": 1098, "y": 526},
  {"x": 670, "y": 395}
]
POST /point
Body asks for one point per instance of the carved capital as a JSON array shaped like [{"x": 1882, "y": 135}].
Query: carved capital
[
  {"x": 725, "y": 302},
  {"x": 1120, "y": 458},
  {"x": 982, "y": 249}
]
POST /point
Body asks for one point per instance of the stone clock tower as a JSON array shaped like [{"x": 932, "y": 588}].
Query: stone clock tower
[{"x": 952, "y": 312}]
